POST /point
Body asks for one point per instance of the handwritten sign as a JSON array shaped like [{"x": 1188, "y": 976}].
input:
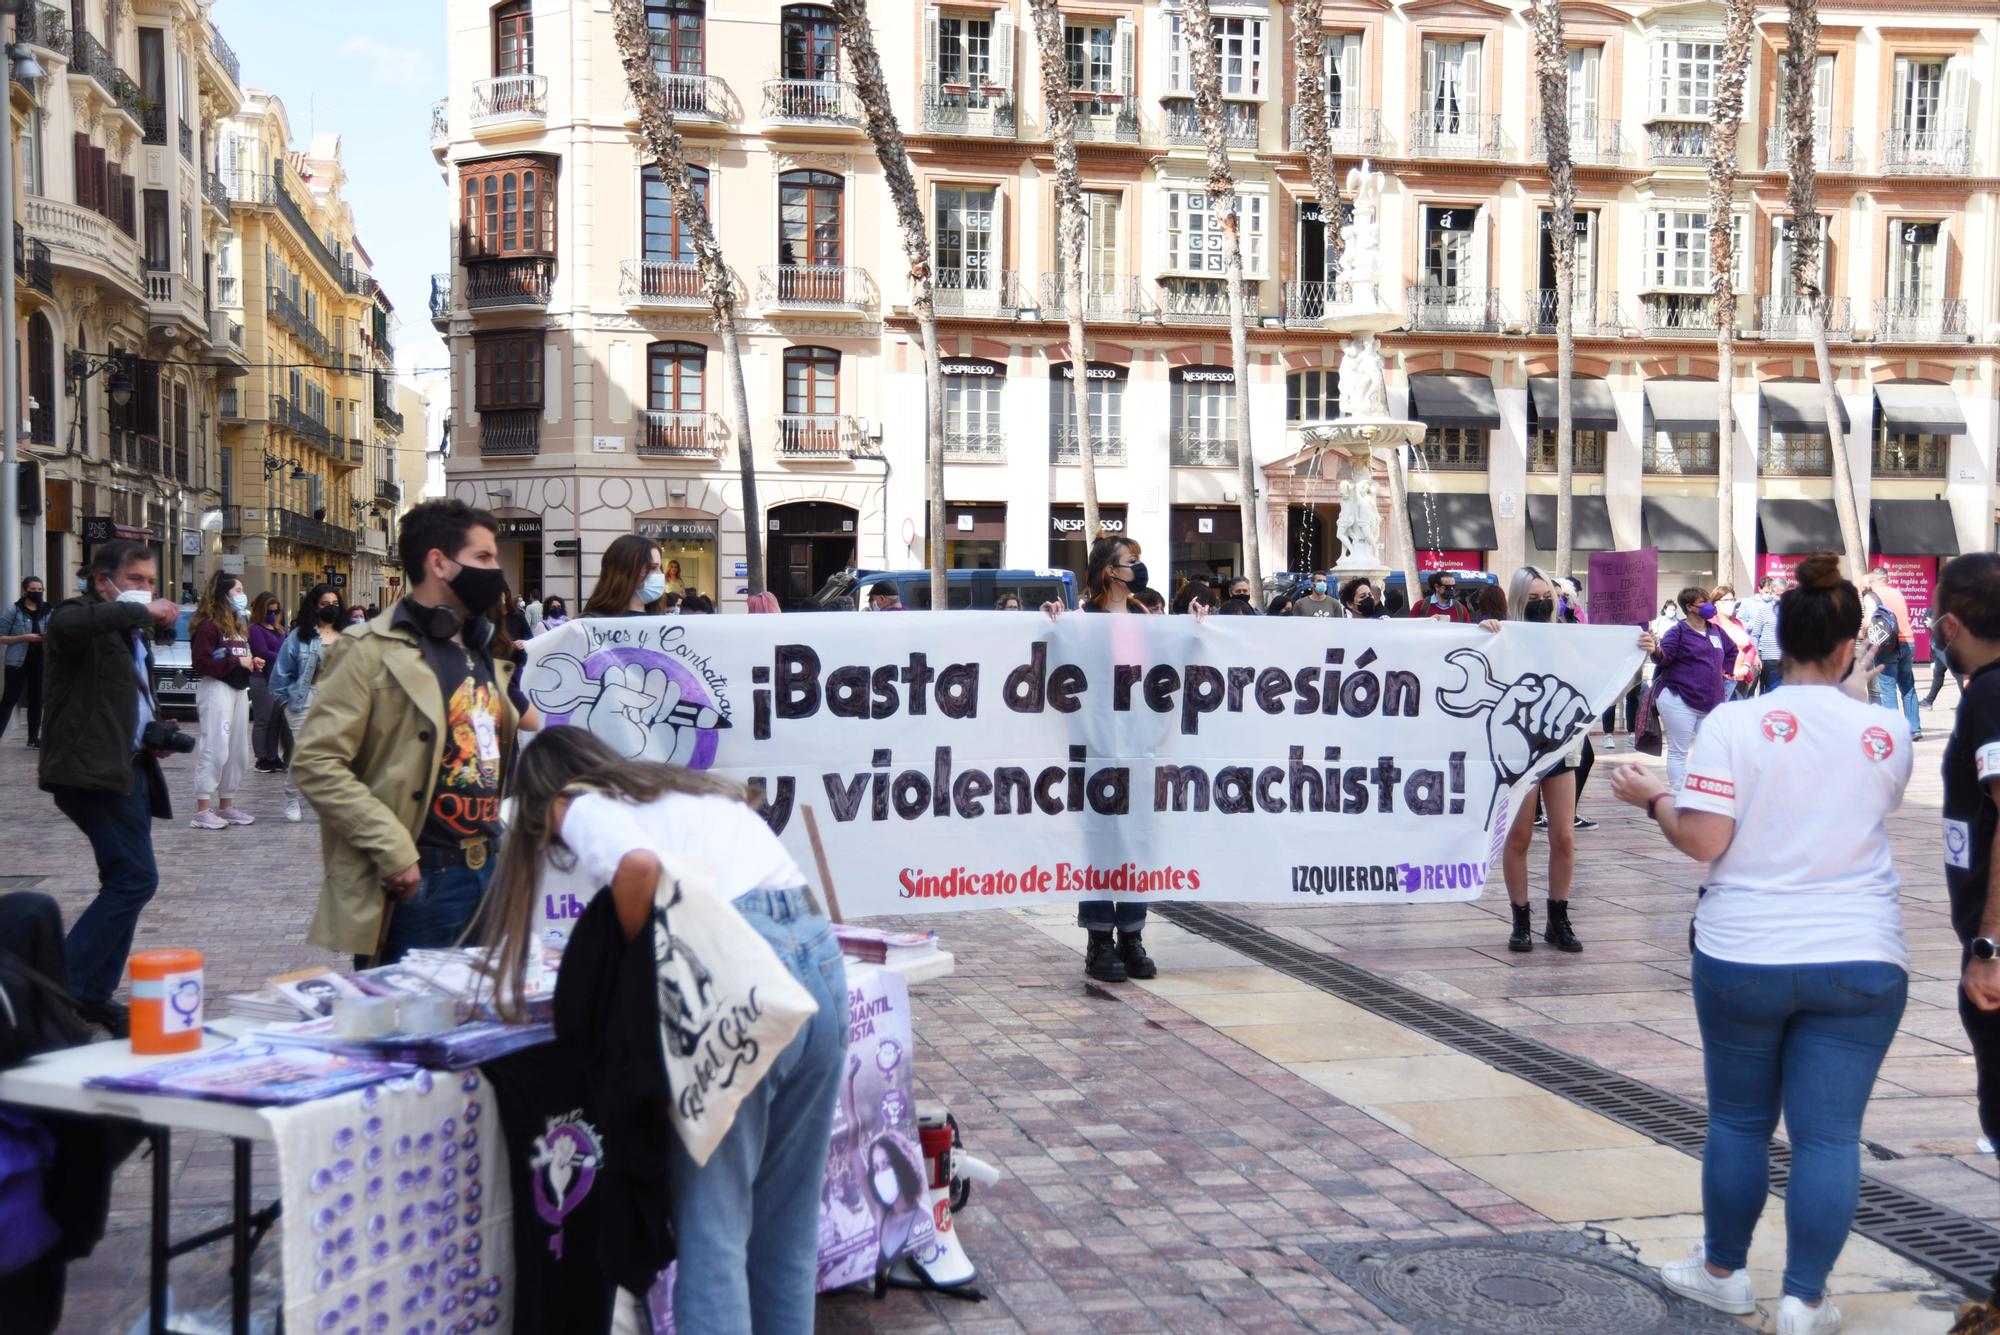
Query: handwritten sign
[{"x": 1623, "y": 586}]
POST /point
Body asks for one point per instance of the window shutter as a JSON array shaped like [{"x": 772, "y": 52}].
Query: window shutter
[
  {"x": 1957, "y": 98},
  {"x": 1481, "y": 227},
  {"x": 1823, "y": 100},
  {"x": 1781, "y": 258},
  {"x": 1003, "y": 50},
  {"x": 81, "y": 165},
  {"x": 930, "y": 47},
  {"x": 1123, "y": 45},
  {"x": 1469, "y": 91},
  {"x": 1171, "y": 76},
  {"x": 996, "y": 243},
  {"x": 1583, "y": 74},
  {"x": 1655, "y": 257},
  {"x": 1431, "y": 92},
  {"x": 1663, "y": 76},
  {"x": 1899, "y": 109},
  {"x": 1350, "y": 81},
  {"x": 1739, "y": 230},
  {"x": 1940, "y": 254}
]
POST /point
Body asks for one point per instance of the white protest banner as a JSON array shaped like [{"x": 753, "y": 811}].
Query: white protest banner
[{"x": 965, "y": 760}]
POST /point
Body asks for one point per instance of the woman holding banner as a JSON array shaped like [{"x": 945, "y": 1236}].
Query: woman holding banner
[
  {"x": 1531, "y": 597},
  {"x": 1800, "y": 969}
]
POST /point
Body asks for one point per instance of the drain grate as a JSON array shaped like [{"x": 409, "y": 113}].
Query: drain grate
[
  {"x": 1523, "y": 1284},
  {"x": 1962, "y": 1249}
]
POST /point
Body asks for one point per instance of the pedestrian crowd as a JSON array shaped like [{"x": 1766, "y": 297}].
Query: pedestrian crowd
[{"x": 1786, "y": 718}]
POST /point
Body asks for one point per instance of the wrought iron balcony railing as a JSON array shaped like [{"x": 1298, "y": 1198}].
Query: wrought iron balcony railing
[
  {"x": 509, "y": 98},
  {"x": 1682, "y": 313},
  {"x": 215, "y": 192},
  {"x": 815, "y": 287},
  {"x": 1202, "y": 300},
  {"x": 1592, "y": 314},
  {"x": 440, "y": 122},
  {"x": 1912, "y": 152},
  {"x": 1681, "y": 454},
  {"x": 1105, "y": 118},
  {"x": 974, "y": 292},
  {"x": 812, "y": 102},
  {"x": 1114, "y": 298},
  {"x": 440, "y": 296},
  {"x": 1791, "y": 317},
  {"x": 1351, "y": 131},
  {"x": 1796, "y": 454},
  {"x": 227, "y": 58},
  {"x": 1440, "y": 134},
  {"x": 986, "y": 113},
  {"x": 1833, "y": 148},
  {"x": 1911, "y": 320},
  {"x": 1201, "y": 447},
  {"x": 1306, "y": 303},
  {"x": 1912, "y": 456},
  {"x": 1183, "y": 126},
  {"x": 153, "y": 123},
  {"x": 46, "y": 26},
  {"x": 1105, "y": 448},
  {"x": 1599, "y": 143},
  {"x": 697, "y": 97},
  {"x": 1453, "y": 452},
  {"x": 974, "y": 446},
  {"x": 660, "y": 283},
  {"x": 815, "y": 436},
  {"x": 1678, "y": 143},
  {"x": 680, "y": 435},
  {"x": 510, "y": 434},
  {"x": 187, "y": 141},
  {"x": 1467, "y": 309},
  {"x": 1586, "y": 450},
  {"x": 490, "y": 284}
]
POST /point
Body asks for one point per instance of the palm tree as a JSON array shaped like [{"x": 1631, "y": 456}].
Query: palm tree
[
  {"x": 663, "y": 146},
  {"x": 1552, "y": 80},
  {"x": 1222, "y": 196},
  {"x": 1727, "y": 112},
  {"x": 865, "y": 68},
  {"x": 1802, "y": 54},
  {"x": 1309, "y": 79},
  {"x": 1060, "y": 110}
]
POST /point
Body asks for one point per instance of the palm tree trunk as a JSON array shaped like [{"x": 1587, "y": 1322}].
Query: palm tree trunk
[
  {"x": 1222, "y": 192},
  {"x": 1728, "y": 121},
  {"x": 1309, "y": 75},
  {"x": 857, "y": 39},
  {"x": 1059, "y": 111},
  {"x": 1552, "y": 78},
  {"x": 663, "y": 146},
  {"x": 1802, "y": 42}
]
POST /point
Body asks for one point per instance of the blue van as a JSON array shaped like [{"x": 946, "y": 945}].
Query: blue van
[{"x": 966, "y": 590}]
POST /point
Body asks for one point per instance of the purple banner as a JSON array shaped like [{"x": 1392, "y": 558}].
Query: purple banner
[{"x": 1624, "y": 587}]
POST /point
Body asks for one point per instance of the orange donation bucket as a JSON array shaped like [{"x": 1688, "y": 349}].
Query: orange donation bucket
[{"x": 166, "y": 1001}]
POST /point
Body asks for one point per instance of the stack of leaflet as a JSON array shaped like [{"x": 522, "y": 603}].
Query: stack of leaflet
[
  {"x": 870, "y": 946},
  {"x": 452, "y": 1050},
  {"x": 256, "y": 1073}
]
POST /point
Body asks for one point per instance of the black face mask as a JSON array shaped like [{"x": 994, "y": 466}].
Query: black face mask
[
  {"x": 478, "y": 587},
  {"x": 1365, "y": 607},
  {"x": 31, "y": 599},
  {"x": 1138, "y": 574},
  {"x": 328, "y": 614},
  {"x": 1539, "y": 609}
]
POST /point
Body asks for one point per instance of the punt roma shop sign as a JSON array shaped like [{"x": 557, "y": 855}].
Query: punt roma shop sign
[{"x": 963, "y": 760}]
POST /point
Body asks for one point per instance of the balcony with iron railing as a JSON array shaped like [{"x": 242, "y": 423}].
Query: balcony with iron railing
[
  {"x": 1791, "y": 317},
  {"x": 89, "y": 60},
  {"x": 440, "y": 123},
  {"x": 974, "y": 447},
  {"x": 511, "y": 434},
  {"x": 493, "y": 284},
  {"x": 227, "y": 59},
  {"x": 1833, "y": 148},
  {"x": 1794, "y": 454},
  {"x": 1065, "y": 448},
  {"x": 1671, "y": 314},
  {"x": 1436, "y": 134},
  {"x": 1918, "y": 320},
  {"x": 692, "y": 99},
  {"x": 1907, "y": 151},
  {"x": 187, "y": 141},
  {"x": 1452, "y": 450},
  {"x": 295, "y": 527},
  {"x": 1586, "y": 450},
  {"x": 680, "y": 435},
  {"x": 45, "y": 26},
  {"x": 440, "y": 298},
  {"x": 1202, "y": 446},
  {"x": 815, "y": 436},
  {"x": 832, "y": 288},
  {"x": 1350, "y": 131},
  {"x": 288, "y": 313},
  {"x": 1681, "y": 454},
  {"x": 812, "y": 102},
  {"x": 152, "y": 123},
  {"x": 225, "y": 334},
  {"x": 387, "y": 491},
  {"x": 1912, "y": 456},
  {"x": 1105, "y": 118},
  {"x": 510, "y": 101},
  {"x": 34, "y": 263},
  {"x": 663, "y": 283},
  {"x": 1674, "y": 143},
  {"x": 1435, "y": 306},
  {"x": 1599, "y": 143},
  {"x": 290, "y": 416},
  {"x": 1183, "y": 124},
  {"x": 1203, "y": 301},
  {"x": 1112, "y": 298},
  {"x": 985, "y": 113},
  {"x": 214, "y": 193},
  {"x": 974, "y": 292},
  {"x": 1307, "y": 303},
  {"x": 1592, "y": 314},
  {"x": 387, "y": 414}
]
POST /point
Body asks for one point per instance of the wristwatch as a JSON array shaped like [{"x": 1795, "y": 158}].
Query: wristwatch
[{"x": 1985, "y": 948}]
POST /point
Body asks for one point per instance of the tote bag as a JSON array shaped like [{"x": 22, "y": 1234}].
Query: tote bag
[{"x": 728, "y": 1005}]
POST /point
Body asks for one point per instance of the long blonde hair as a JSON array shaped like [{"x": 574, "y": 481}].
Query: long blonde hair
[
  {"x": 216, "y": 607},
  {"x": 560, "y": 762}
]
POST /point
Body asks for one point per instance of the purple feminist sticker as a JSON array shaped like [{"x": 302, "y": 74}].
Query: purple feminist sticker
[{"x": 564, "y": 1163}]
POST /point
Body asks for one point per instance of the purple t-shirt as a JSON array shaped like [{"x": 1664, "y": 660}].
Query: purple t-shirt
[{"x": 1693, "y": 665}]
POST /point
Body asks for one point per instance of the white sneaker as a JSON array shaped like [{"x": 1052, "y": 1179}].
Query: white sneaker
[
  {"x": 208, "y": 820},
  {"x": 1690, "y": 1279},
  {"x": 292, "y": 812},
  {"x": 236, "y": 815},
  {"x": 1985, "y": 1145},
  {"x": 1795, "y": 1318}
]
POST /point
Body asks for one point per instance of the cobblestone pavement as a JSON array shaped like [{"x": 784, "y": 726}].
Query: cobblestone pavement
[{"x": 1169, "y": 1151}]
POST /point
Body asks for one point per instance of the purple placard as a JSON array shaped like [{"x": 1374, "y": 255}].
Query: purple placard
[{"x": 1624, "y": 587}]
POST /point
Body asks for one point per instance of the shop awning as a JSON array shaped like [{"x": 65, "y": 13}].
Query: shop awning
[
  {"x": 1682, "y": 405},
  {"x": 1798, "y": 405},
  {"x": 1797, "y": 528},
  {"x": 1920, "y": 407},
  {"x": 1454, "y": 400},
  {"x": 1914, "y": 528},
  {"x": 1680, "y": 523},
  {"x": 1590, "y": 520},
  {"x": 1453, "y": 521},
  {"x": 1590, "y": 406}
]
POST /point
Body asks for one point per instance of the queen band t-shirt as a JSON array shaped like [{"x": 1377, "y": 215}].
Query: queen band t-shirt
[{"x": 465, "y": 803}]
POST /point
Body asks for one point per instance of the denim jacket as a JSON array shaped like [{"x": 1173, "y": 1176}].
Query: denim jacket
[
  {"x": 17, "y": 620},
  {"x": 292, "y": 676}
]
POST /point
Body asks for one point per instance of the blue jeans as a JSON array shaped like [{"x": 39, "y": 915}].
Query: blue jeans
[
  {"x": 120, "y": 830},
  {"x": 1807, "y": 1038},
  {"x": 748, "y": 1220},
  {"x": 1899, "y": 677},
  {"x": 1770, "y": 675},
  {"x": 437, "y": 915},
  {"x": 1101, "y": 915}
]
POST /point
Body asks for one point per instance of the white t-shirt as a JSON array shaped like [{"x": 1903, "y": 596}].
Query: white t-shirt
[
  {"x": 1808, "y": 773},
  {"x": 721, "y": 832}
]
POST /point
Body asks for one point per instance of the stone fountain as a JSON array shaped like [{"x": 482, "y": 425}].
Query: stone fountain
[{"x": 1364, "y": 425}]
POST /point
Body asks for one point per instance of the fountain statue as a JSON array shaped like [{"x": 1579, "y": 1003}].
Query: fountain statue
[{"x": 1364, "y": 425}]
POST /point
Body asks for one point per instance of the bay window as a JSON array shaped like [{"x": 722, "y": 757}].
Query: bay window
[
  {"x": 1684, "y": 77},
  {"x": 964, "y": 240},
  {"x": 508, "y": 208},
  {"x": 1194, "y": 232},
  {"x": 1240, "y": 53}
]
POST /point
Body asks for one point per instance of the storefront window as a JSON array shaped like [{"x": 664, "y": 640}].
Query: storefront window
[
  {"x": 1069, "y": 545},
  {"x": 687, "y": 553},
  {"x": 1207, "y": 541}
]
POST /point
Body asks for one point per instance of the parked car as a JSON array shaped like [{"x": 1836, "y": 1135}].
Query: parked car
[
  {"x": 965, "y": 590},
  {"x": 173, "y": 672}
]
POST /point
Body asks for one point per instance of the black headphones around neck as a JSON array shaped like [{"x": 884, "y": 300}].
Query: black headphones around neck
[{"x": 442, "y": 623}]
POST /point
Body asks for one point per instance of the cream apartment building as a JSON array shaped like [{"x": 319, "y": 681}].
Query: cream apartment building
[{"x": 587, "y": 393}]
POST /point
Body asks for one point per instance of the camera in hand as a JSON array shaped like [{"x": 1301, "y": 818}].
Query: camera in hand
[{"x": 162, "y": 735}]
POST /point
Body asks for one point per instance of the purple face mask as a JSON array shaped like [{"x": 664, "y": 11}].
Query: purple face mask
[{"x": 1707, "y": 610}]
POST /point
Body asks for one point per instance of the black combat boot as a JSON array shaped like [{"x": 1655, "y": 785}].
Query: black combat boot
[
  {"x": 1101, "y": 961},
  {"x": 1558, "y": 933},
  {"x": 1132, "y": 953},
  {"x": 1524, "y": 929}
]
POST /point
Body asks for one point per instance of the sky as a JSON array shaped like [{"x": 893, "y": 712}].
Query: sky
[{"x": 367, "y": 70}]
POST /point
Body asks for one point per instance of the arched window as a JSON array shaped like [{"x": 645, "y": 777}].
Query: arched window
[
  {"x": 667, "y": 241},
  {"x": 675, "y": 377},
  {"x": 41, "y": 379},
  {"x": 513, "y": 39}
]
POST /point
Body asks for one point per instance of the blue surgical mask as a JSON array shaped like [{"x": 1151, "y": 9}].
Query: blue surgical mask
[
  {"x": 653, "y": 588},
  {"x": 240, "y": 602},
  {"x": 1319, "y": 586}
]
